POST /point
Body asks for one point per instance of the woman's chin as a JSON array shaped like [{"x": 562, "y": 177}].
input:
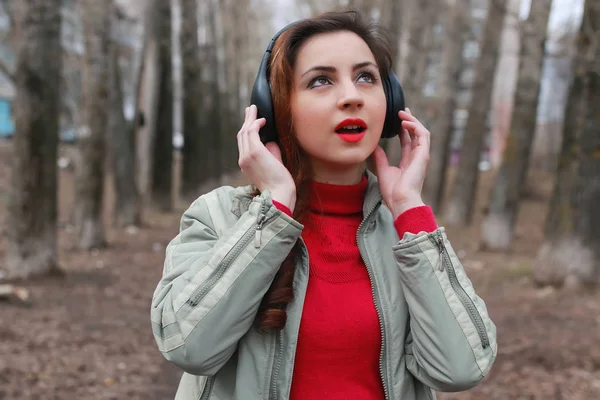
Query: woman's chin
[{"x": 345, "y": 158}]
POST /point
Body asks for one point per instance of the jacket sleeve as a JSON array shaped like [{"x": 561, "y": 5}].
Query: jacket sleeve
[
  {"x": 212, "y": 286},
  {"x": 451, "y": 344}
]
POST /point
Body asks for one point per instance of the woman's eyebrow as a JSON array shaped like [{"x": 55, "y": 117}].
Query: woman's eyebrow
[{"x": 330, "y": 69}]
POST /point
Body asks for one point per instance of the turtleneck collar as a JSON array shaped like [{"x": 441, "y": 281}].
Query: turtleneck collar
[{"x": 326, "y": 198}]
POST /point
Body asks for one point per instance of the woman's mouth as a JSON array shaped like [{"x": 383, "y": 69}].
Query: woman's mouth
[{"x": 351, "y": 130}]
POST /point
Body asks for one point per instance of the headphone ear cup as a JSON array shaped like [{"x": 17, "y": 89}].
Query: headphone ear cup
[
  {"x": 395, "y": 102},
  {"x": 261, "y": 97}
]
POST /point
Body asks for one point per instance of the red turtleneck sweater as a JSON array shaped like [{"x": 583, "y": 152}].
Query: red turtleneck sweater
[{"x": 337, "y": 355}]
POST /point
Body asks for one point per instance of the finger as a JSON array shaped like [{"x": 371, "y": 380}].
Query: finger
[
  {"x": 407, "y": 116},
  {"x": 419, "y": 135},
  {"x": 245, "y": 124},
  {"x": 246, "y": 145},
  {"x": 412, "y": 127},
  {"x": 380, "y": 159},
  {"x": 253, "y": 136},
  {"x": 240, "y": 146},
  {"x": 253, "y": 113},
  {"x": 245, "y": 150},
  {"x": 242, "y": 133},
  {"x": 404, "y": 134},
  {"x": 406, "y": 147},
  {"x": 246, "y": 113},
  {"x": 275, "y": 150}
]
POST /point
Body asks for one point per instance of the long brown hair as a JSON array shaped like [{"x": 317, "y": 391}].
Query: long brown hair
[{"x": 272, "y": 312}]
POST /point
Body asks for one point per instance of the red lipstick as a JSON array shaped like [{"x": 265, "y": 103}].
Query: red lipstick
[{"x": 351, "y": 130}]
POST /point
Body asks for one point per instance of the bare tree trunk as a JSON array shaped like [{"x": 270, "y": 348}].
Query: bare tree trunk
[
  {"x": 391, "y": 17},
  {"x": 90, "y": 173},
  {"x": 122, "y": 147},
  {"x": 395, "y": 28},
  {"x": 194, "y": 166},
  {"x": 570, "y": 253},
  {"x": 231, "y": 115},
  {"x": 162, "y": 177},
  {"x": 225, "y": 32},
  {"x": 32, "y": 200},
  {"x": 455, "y": 31},
  {"x": 420, "y": 40},
  {"x": 147, "y": 104},
  {"x": 240, "y": 28},
  {"x": 213, "y": 97},
  {"x": 462, "y": 198},
  {"x": 498, "y": 225}
]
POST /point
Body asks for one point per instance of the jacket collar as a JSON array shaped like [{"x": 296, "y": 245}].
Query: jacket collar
[{"x": 373, "y": 195}]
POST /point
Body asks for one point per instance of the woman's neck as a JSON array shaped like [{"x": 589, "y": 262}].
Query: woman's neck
[{"x": 346, "y": 175}]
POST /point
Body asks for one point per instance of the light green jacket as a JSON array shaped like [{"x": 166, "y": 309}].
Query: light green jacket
[{"x": 436, "y": 333}]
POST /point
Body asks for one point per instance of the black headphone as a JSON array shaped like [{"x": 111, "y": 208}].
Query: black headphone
[{"x": 261, "y": 97}]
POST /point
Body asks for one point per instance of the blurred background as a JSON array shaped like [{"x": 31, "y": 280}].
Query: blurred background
[{"x": 116, "y": 114}]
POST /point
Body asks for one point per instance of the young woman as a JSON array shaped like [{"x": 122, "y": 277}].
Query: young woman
[{"x": 321, "y": 280}]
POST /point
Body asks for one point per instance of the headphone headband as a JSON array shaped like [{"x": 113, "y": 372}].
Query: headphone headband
[{"x": 274, "y": 39}]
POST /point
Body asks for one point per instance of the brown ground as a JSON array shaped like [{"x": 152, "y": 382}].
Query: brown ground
[{"x": 87, "y": 335}]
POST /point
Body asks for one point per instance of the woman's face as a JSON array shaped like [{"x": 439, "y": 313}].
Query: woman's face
[{"x": 338, "y": 103}]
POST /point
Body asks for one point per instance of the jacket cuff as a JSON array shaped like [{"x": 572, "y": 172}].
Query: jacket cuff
[
  {"x": 282, "y": 208},
  {"x": 415, "y": 220}
]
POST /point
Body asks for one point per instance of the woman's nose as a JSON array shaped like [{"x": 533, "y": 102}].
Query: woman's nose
[{"x": 350, "y": 96}]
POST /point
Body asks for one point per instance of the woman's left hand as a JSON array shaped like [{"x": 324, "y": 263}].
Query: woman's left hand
[{"x": 401, "y": 186}]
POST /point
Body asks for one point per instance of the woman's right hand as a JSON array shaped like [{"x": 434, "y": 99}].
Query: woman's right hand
[{"x": 262, "y": 164}]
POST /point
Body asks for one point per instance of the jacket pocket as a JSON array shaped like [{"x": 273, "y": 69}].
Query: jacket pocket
[
  {"x": 253, "y": 232},
  {"x": 445, "y": 263}
]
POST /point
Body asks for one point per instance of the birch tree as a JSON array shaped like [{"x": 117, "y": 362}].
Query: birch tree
[
  {"x": 412, "y": 76},
  {"x": 498, "y": 225},
  {"x": 194, "y": 149},
  {"x": 90, "y": 171},
  {"x": 420, "y": 30},
  {"x": 231, "y": 30},
  {"x": 147, "y": 99},
  {"x": 462, "y": 197},
  {"x": 32, "y": 199},
  {"x": 392, "y": 11},
  {"x": 213, "y": 97},
  {"x": 570, "y": 253},
  {"x": 162, "y": 144},
  {"x": 455, "y": 31},
  {"x": 120, "y": 135}
]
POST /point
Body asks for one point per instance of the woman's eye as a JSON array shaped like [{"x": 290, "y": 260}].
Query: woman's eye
[
  {"x": 319, "y": 81},
  {"x": 367, "y": 77}
]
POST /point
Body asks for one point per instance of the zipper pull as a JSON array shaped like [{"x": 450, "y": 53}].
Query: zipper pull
[
  {"x": 441, "y": 248},
  {"x": 258, "y": 233}
]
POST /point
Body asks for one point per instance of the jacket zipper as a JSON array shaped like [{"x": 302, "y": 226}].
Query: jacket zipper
[
  {"x": 279, "y": 338},
  {"x": 279, "y": 349},
  {"x": 446, "y": 263},
  {"x": 207, "y": 388},
  {"x": 276, "y": 364},
  {"x": 255, "y": 231},
  {"x": 375, "y": 299}
]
